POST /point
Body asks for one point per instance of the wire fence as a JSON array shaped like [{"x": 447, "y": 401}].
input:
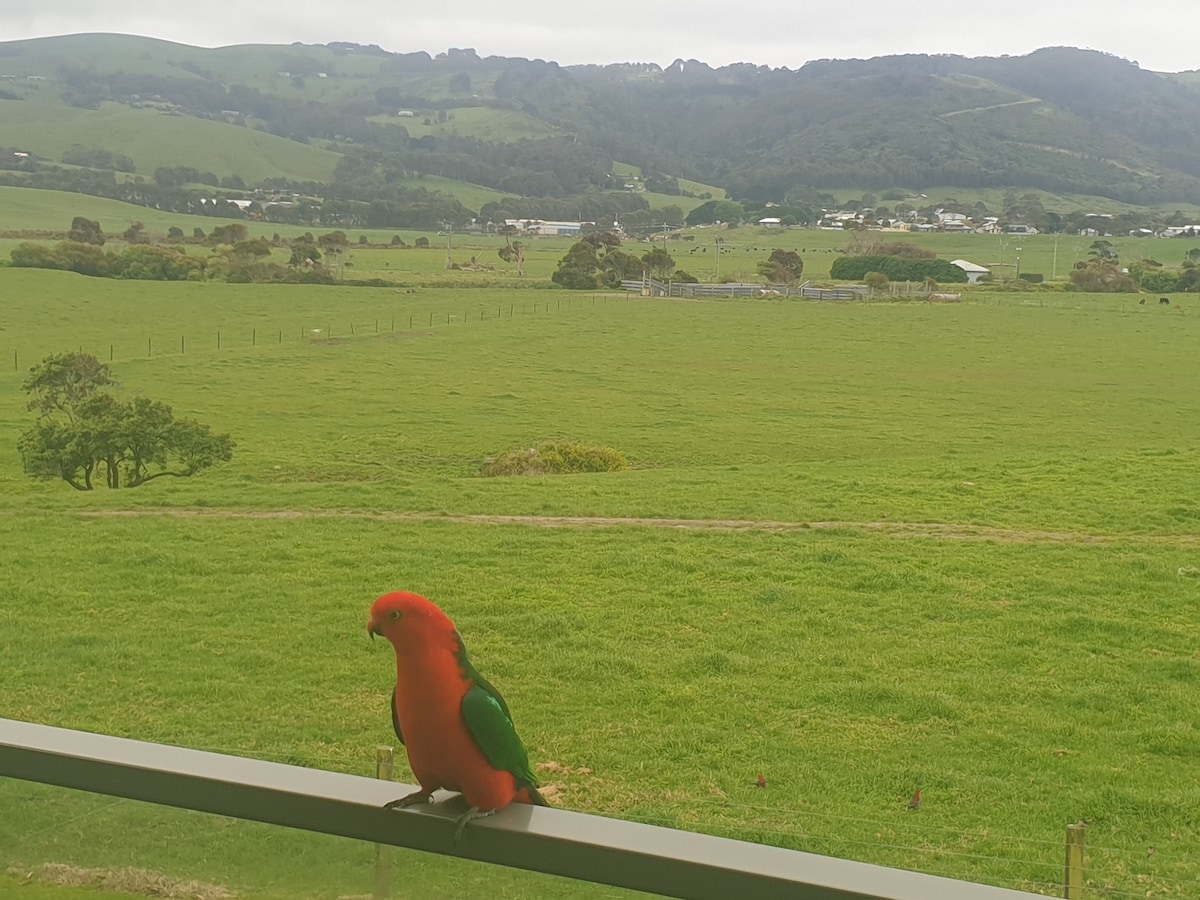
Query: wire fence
[{"x": 334, "y": 328}]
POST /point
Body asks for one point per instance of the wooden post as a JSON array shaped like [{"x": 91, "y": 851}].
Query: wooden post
[
  {"x": 253, "y": 337},
  {"x": 1073, "y": 878},
  {"x": 218, "y": 338},
  {"x": 181, "y": 350},
  {"x": 385, "y": 768},
  {"x": 148, "y": 344}
]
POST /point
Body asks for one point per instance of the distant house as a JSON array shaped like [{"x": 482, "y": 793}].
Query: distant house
[
  {"x": 974, "y": 272},
  {"x": 771, "y": 222},
  {"x": 405, "y": 113}
]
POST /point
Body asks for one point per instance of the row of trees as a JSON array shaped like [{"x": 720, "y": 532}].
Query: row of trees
[
  {"x": 234, "y": 257},
  {"x": 84, "y": 433},
  {"x": 597, "y": 261}
]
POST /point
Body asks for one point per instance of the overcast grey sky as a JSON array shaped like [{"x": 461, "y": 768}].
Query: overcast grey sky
[{"x": 1158, "y": 34}]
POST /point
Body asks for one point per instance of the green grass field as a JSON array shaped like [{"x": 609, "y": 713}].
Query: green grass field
[
  {"x": 486, "y": 123},
  {"x": 865, "y": 549},
  {"x": 152, "y": 139}
]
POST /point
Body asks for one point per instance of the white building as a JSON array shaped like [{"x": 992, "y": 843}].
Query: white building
[{"x": 974, "y": 271}]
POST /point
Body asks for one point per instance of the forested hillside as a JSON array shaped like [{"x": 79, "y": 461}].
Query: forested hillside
[{"x": 156, "y": 122}]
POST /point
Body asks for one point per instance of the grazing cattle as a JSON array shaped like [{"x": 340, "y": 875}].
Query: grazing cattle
[
  {"x": 1165, "y": 301},
  {"x": 1142, "y": 302}
]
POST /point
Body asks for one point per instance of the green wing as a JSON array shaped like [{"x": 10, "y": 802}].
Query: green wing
[{"x": 490, "y": 724}]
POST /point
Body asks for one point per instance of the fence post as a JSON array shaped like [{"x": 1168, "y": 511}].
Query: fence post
[
  {"x": 385, "y": 768},
  {"x": 149, "y": 352},
  {"x": 253, "y": 337},
  {"x": 218, "y": 338},
  {"x": 181, "y": 349},
  {"x": 1073, "y": 878}
]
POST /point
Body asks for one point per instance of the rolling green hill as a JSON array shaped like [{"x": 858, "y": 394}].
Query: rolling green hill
[
  {"x": 153, "y": 138},
  {"x": 324, "y": 120}
]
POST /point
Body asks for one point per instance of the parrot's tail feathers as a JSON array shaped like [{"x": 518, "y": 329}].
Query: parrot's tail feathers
[{"x": 529, "y": 794}]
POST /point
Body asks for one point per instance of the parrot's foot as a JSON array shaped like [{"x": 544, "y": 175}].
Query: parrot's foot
[
  {"x": 410, "y": 800},
  {"x": 461, "y": 822}
]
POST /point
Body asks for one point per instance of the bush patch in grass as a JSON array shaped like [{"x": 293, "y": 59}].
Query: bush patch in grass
[{"x": 557, "y": 458}]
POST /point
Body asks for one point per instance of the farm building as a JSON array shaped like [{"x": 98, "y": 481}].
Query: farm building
[{"x": 974, "y": 272}]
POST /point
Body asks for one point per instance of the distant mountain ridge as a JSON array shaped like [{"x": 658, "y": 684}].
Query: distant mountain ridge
[{"x": 1059, "y": 119}]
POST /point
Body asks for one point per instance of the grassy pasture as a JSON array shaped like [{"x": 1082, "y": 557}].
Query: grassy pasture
[
  {"x": 972, "y": 587},
  {"x": 484, "y": 122},
  {"x": 152, "y": 139}
]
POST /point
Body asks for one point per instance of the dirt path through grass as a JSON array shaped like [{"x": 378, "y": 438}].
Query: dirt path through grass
[{"x": 940, "y": 530}]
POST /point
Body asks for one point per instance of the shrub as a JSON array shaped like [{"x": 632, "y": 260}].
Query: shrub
[
  {"x": 1101, "y": 276},
  {"x": 557, "y": 458},
  {"x": 1160, "y": 281},
  {"x": 855, "y": 268}
]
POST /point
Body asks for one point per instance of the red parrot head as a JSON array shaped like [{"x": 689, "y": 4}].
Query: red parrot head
[{"x": 409, "y": 621}]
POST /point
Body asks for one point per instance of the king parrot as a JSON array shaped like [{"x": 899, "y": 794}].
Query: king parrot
[{"x": 454, "y": 725}]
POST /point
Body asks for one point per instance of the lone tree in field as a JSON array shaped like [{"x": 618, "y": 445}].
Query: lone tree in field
[
  {"x": 512, "y": 251},
  {"x": 782, "y": 267},
  {"x": 596, "y": 261},
  {"x": 85, "y": 231},
  {"x": 82, "y": 430}
]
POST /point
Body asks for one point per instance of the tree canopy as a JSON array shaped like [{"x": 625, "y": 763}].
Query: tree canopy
[{"x": 82, "y": 431}]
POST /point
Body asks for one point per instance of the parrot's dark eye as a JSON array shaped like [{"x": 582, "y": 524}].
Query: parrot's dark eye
[{"x": 395, "y": 614}]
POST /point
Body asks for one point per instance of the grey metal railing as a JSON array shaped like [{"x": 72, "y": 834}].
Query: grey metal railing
[{"x": 557, "y": 842}]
